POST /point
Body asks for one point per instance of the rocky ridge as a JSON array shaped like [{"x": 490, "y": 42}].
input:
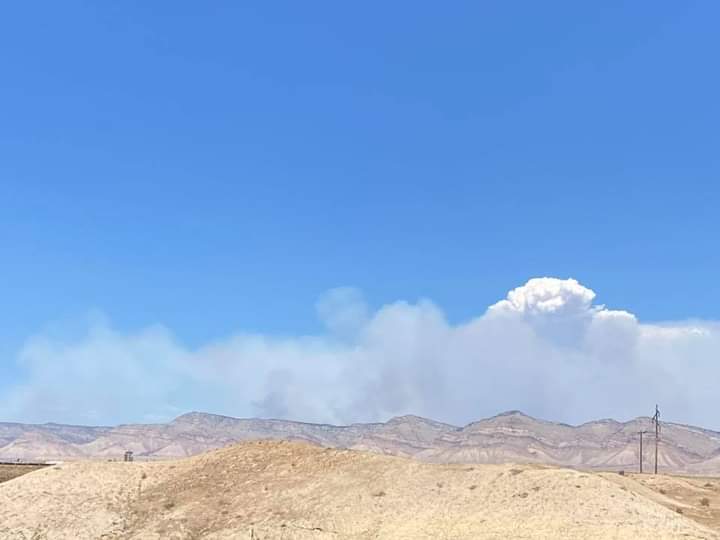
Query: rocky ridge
[{"x": 507, "y": 437}]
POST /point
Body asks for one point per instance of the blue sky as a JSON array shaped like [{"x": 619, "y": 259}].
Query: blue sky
[{"x": 215, "y": 168}]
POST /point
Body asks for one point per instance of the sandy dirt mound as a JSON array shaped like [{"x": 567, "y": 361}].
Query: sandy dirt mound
[
  {"x": 693, "y": 496},
  {"x": 275, "y": 490}
]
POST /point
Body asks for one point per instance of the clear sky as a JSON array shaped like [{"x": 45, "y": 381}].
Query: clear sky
[{"x": 214, "y": 168}]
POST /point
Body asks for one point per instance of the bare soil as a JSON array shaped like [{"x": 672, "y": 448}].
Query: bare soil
[
  {"x": 280, "y": 490},
  {"x": 695, "y": 497}
]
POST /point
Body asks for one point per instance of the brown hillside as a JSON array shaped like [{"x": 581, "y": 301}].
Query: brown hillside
[{"x": 274, "y": 490}]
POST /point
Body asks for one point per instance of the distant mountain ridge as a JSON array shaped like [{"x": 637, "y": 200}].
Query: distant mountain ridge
[{"x": 507, "y": 437}]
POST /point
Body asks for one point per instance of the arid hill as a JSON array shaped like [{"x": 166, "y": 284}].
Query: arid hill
[
  {"x": 511, "y": 436},
  {"x": 280, "y": 490}
]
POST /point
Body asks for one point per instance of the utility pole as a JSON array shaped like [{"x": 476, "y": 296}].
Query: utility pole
[
  {"x": 656, "y": 421},
  {"x": 641, "y": 450}
]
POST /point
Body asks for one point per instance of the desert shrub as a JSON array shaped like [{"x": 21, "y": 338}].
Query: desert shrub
[
  {"x": 168, "y": 505},
  {"x": 679, "y": 510},
  {"x": 379, "y": 494},
  {"x": 704, "y": 501}
]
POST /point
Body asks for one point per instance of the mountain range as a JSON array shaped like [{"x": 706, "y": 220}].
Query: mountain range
[{"x": 508, "y": 437}]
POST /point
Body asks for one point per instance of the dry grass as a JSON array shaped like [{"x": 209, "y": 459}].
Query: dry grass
[
  {"x": 697, "y": 498},
  {"x": 297, "y": 491},
  {"x": 10, "y": 471}
]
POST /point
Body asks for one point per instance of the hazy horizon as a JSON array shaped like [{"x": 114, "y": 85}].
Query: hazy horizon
[{"x": 497, "y": 415}]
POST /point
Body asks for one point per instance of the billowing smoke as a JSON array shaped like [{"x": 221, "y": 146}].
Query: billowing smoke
[{"x": 545, "y": 349}]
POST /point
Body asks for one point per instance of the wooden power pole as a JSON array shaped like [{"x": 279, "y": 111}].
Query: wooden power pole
[{"x": 656, "y": 421}]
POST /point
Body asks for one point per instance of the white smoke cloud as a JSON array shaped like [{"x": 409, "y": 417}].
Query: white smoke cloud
[
  {"x": 545, "y": 349},
  {"x": 548, "y": 296}
]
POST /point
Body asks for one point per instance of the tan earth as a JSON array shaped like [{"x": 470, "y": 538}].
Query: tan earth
[{"x": 283, "y": 490}]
